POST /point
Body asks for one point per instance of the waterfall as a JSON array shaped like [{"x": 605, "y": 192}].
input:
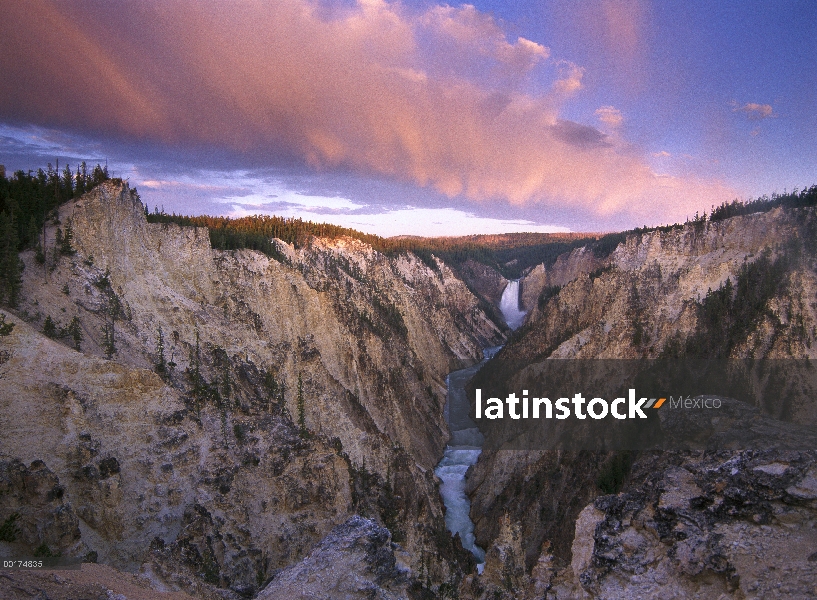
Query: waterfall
[
  {"x": 466, "y": 441},
  {"x": 509, "y": 305}
]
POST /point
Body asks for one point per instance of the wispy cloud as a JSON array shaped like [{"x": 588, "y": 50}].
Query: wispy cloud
[
  {"x": 610, "y": 115},
  {"x": 754, "y": 111},
  {"x": 414, "y": 221}
]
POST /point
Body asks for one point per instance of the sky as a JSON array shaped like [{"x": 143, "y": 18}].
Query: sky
[{"x": 419, "y": 117}]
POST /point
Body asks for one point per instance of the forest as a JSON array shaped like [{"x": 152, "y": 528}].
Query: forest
[
  {"x": 793, "y": 199},
  {"x": 511, "y": 253},
  {"x": 27, "y": 201}
]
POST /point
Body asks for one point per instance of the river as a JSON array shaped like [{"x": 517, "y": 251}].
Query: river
[{"x": 466, "y": 441}]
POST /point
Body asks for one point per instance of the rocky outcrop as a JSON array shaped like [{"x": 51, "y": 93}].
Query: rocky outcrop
[
  {"x": 565, "y": 269},
  {"x": 644, "y": 301},
  {"x": 504, "y": 575},
  {"x": 35, "y": 516},
  {"x": 356, "y": 560},
  {"x": 484, "y": 280},
  {"x": 90, "y": 582},
  {"x": 703, "y": 524},
  {"x": 226, "y": 409}
]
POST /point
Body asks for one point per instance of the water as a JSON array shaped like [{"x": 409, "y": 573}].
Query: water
[
  {"x": 509, "y": 305},
  {"x": 463, "y": 451},
  {"x": 451, "y": 470},
  {"x": 466, "y": 441}
]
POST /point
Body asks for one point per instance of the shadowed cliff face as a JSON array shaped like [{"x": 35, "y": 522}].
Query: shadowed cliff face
[
  {"x": 630, "y": 304},
  {"x": 654, "y": 296},
  {"x": 293, "y": 393}
]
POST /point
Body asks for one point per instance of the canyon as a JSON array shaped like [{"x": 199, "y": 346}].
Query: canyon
[
  {"x": 231, "y": 424},
  {"x": 677, "y": 524},
  {"x": 291, "y": 399}
]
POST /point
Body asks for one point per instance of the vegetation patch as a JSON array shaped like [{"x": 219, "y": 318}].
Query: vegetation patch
[
  {"x": 728, "y": 315},
  {"x": 614, "y": 472},
  {"x": 27, "y": 202}
]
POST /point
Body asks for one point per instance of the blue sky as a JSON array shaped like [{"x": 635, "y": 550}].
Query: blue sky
[{"x": 420, "y": 117}]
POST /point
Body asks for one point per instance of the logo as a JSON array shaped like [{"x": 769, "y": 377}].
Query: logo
[{"x": 578, "y": 406}]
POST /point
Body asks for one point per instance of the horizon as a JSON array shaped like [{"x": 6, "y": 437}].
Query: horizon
[
  {"x": 417, "y": 117},
  {"x": 558, "y": 234}
]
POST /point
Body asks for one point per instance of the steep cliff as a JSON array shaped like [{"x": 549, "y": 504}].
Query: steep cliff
[
  {"x": 631, "y": 303},
  {"x": 225, "y": 409},
  {"x": 742, "y": 287},
  {"x": 565, "y": 269}
]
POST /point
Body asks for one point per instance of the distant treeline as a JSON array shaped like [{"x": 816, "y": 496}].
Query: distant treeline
[
  {"x": 604, "y": 245},
  {"x": 511, "y": 254},
  {"x": 793, "y": 199},
  {"x": 257, "y": 232},
  {"x": 26, "y": 201},
  {"x": 525, "y": 250}
]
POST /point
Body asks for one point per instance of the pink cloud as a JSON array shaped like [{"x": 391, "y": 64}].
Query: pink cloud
[
  {"x": 755, "y": 111},
  {"x": 609, "y": 115},
  {"x": 441, "y": 98}
]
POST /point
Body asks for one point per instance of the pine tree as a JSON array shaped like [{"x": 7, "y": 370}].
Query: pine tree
[
  {"x": 64, "y": 241},
  {"x": 301, "y": 409},
  {"x": 67, "y": 182},
  {"x": 32, "y": 237},
  {"x": 227, "y": 384},
  {"x": 108, "y": 344},
  {"x": 49, "y": 327},
  {"x": 10, "y": 268},
  {"x": 75, "y": 331},
  {"x": 82, "y": 180},
  {"x": 99, "y": 175},
  {"x": 161, "y": 366}
]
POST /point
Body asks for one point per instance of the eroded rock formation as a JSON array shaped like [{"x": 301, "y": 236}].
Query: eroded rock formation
[
  {"x": 679, "y": 525},
  {"x": 226, "y": 409}
]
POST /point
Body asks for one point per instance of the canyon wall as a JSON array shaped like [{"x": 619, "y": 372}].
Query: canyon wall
[
  {"x": 226, "y": 409},
  {"x": 544, "y": 516}
]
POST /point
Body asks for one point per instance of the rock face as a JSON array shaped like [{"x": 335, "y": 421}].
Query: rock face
[
  {"x": 566, "y": 268},
  {"x": 248, "y": 404},
  {"x": 484, "y": 280},
  {"x": 631, "y": 303},
  {"x": 356, "y": 560},
  {"x": 642, "y": 301},
  {"x": 701, "y": 525},
  {"x": 149, "y": 480},
  {"x": 337, "y": 306},
  {"x": 91, "y": 582},
  {"x": 33, "y": 504},
  {"x": 504, "y": 575}
]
